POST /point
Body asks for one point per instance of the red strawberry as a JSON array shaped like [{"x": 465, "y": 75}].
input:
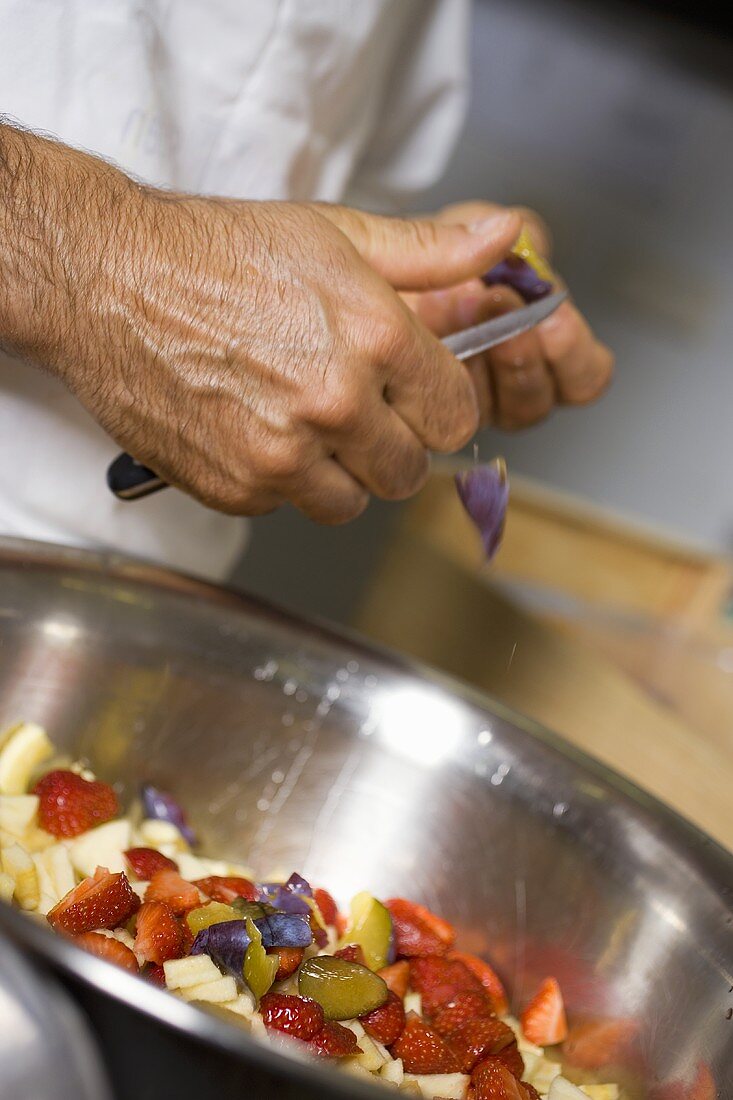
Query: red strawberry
[
  {"x": 146, "y": 861},
  {"x": 439, "y": 981},
  {"x": 341, "y": 923},
  {"x": 476, "y": 1039},
  {"x": 290, "y": 959},
  {"x": 353, "y": 952},
  {"x": 513, "y": 1060},
  {"x": 102, "y": 901},
  {"x": 471, "y": 1005},
  {"x": 69, "y": 805},
  {"x": 104, "y": 947},
  {"x": 155, "y": 974},
  {"x": 489, "y": 979},
  {"x": 422, "y": 1050},
  {"x": 327, "y": 905},
  {"x": 397, "y": 977},
  {"x": 168, "y": 886},
  {"x": 595, "y": 1044},
  {"x": 386, "y": 1022},
  {"x": 417, "y": 930},
  {"x": 158, "y": 935},
  {"x": 335, "y": 1041},
  {"x": 492, "y": 1081},
  {"x": 227, "y": 887},
  {"x": 543, "y": 1020},
  {"x": 296, "y": 1016}
]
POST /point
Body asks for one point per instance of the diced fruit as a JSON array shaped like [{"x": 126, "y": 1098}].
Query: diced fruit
[
  {"x": 106, "y": 947},
  {"x": 158, "y": 935},
  {"x": 370, "y": 926},
  {"x": 259, "y": 967},
  {"x": 24, "y": 749},
  {"x": 103, "y": 900},
  {"x": 418, "y": 931},
  {"x": 289, "y": 959},
  {"x": 397, "y": 977},
  {"x": 146, "y": 861},
  {"x": 543, "y": 1020},
  {"x": 385, "y": 1023},
  {"x": 440, "y": 980},
  {"x": 511, "y": 1057},
  {"x": 155, "y": 974},
  {"x": 218, "y": 992},
  {"x": 439, "y": 1086},
  {"x": 227, "y": 888},
  {"x": 69, "y": 805},
  {"x": 20, "y": 866},
  {"x": 7, "y": 886},
  {"x": 179, "y": 895},
  {"x": 191, "y": 971},
  {"x": 326, "y": 904},
  {"x": 335, "y": 1041},
  {"x": 206, "y": 915},
  {"x": 101, "y": 847},
  {"x": 17, "y": 812},
  {"x": 487, "y": 976},
  {"x": 492, "y": 1081},
  {"x": 352, "y": 952},
  {"x": 476, "y": 1039},
  {"x": 471, "y": 1005},
  {"x": 423, "y": 1050},
  {"x": 297, "y": 1016},
  {"x": 160, "y": 834},
  {"x": 343, "y": 989}
]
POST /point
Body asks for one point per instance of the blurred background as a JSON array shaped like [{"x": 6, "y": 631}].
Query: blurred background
[{"x": 615, "y": 121}]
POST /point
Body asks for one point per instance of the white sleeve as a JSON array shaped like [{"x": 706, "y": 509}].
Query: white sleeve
[{"x": 423, "y": 109}]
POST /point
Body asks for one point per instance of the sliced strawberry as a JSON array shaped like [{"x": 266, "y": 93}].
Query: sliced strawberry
[
  {"x": 493, "y": 1081},
  {"x": 102, "y": 901},
  {"x": 543, "y": 1020},
  {"x": 105, "y": 947},
  {"x": 335, "y": 1041},
  {"x": 68, "y": 804},
  {"x": 385, "y": 1023},
  {"x": 595, "y": 1044},
  {"x": 327, "y": 905},
  {"x": 489, "y": 979},
  {"x": 158, "y": 935},
  {"x": 168, "y": 886},
  {"x": 146, "y": 861},
  {"x": 297, "y": 1016},
  {"x": 513, "y": 1060},
  {"x": 418, "y": 931},
  {"x": 155, "y": 974},
  {"x": 353, "y": 952},
  {"x": 440, "y": 980},
  {"x": 227, "y": 887},
  {"x": 290, "y": 959},
  {"x": 471, "y": 1005},
  {"x": 476, "y": 1039},
  {"x": 422, "y": 1050},
  {"x": 341, "y": 923},
  {"x": 397, "y": 977}
]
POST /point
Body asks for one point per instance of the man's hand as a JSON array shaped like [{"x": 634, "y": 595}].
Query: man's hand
[
  {"x": 249, "y": 353},
  {"x": 519, "y": 382}
]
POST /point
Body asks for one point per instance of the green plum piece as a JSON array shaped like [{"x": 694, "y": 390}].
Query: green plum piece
[
  {"x": 371, "y": 928},
  {"x": 206, "y": 915},
  {"x": 259, "y": 967},
  {"x": 343, "y": 989},
  {"x": 254, "y": 909}
]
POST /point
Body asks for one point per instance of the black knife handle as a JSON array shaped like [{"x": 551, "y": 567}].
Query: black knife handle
[{"x": 130, "y": 480}]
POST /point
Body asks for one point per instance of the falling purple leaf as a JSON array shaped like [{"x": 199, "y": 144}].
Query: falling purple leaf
[
  {"x": 162, "y": 806},
  {"x": 484, "y": 492},
  {"x": 516, "y": 273}
]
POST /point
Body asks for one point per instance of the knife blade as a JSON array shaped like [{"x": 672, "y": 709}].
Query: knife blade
[{"x": 128, "y": 479}]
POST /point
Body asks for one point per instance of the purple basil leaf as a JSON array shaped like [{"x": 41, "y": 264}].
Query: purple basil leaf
[
  {"x": 298, "y": 885},
  {"x": 484, "y": 491},
  {"x": 520, "y": 276},
  {"x": 163, "y": 807},
  {"x": 284, "y": 930},
  {"x": 226, "y": 944},
  {"x": 288, "y": 897}
]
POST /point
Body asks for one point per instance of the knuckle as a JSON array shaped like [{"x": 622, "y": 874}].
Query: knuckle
[
  {"x": 339, "y": 406},
  {"x": 278, "y": 458}
]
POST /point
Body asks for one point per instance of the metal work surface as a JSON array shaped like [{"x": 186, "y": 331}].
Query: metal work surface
[{"x": 293, "y": 746}]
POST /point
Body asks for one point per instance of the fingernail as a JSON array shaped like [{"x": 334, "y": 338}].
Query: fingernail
[{"x": 495, "y": 224}]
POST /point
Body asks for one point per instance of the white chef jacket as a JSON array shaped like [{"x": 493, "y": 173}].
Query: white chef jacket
[{"x": 353, "y": 101}]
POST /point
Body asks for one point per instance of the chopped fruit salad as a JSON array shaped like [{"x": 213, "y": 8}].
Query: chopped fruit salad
[{"x": 382, "y": 988}]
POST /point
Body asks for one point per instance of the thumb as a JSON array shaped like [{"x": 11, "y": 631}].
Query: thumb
[{"x": 417, "y": 254}]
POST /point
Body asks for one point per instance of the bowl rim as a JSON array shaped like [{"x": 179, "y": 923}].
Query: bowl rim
[{"x": 172, "y": 1012}]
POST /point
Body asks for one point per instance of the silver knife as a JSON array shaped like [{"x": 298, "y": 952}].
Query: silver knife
[{"x": 130, "y": 480}]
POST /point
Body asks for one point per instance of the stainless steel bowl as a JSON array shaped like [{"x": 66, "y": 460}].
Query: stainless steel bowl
[{"x": 295, "y": 746}]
